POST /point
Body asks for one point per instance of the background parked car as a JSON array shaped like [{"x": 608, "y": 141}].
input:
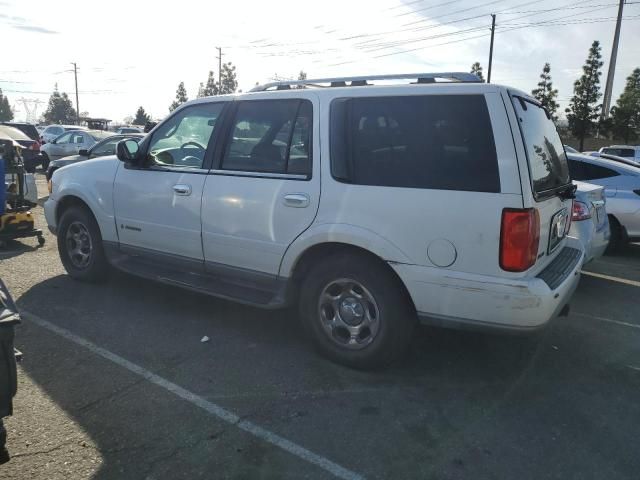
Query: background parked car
[
  {"x": 30, "y": 147},
  {"x": 631, "y": 152},
  {"x": 70, "y": 143},
  {"x": 589, "y": 221},
  {"x": 123, "y": 130},
  {"x": 622, "y": 190},
  {"x": 100, "y": 149},
  {"x": 52, "y": 132}
]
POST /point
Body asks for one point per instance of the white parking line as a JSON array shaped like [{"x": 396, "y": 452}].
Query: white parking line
[
  {"x": 613, "y": 279},
  {"x": 608, "y": 320},
  {"x": 209, "y": 407}
]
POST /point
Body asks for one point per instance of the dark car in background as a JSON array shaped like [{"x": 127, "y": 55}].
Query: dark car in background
[
  {"x": 31, "y": 154},
  {"x": 100, "y": 149}
]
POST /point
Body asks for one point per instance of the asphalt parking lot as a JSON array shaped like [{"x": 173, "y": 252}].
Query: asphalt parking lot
[{"x": 116, "y": 384}]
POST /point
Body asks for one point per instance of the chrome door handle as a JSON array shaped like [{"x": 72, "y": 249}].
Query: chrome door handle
[
  {"x": 182, "y": 189},
  {"x": 297, "y": 200}
]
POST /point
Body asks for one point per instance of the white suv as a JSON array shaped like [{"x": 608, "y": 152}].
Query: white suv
[{"x": 370, "y": 206}]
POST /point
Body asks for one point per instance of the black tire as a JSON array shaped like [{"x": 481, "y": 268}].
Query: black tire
[
  {"x": 79, "y": 221},
  {"x": 45, "y": 162},
  {"x": 618, "y": 236},
  {"x": 396, "y": 316}
]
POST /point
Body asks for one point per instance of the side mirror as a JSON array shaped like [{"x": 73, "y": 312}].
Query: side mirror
[
  {"x": 84, "y": 152},
  {"x": 127, "y": 150}
]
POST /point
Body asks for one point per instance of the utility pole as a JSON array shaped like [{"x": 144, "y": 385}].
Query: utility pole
[
  {"x": 219, "y": 67},
  {"x": 493, "y": 31},
  {"x": 606, "y": 101},
  {"x": 75, "y": 74}
]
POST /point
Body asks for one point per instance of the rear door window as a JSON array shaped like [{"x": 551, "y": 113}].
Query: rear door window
[
  {"x": 594, "y": 172},
  {"x": 440, "y": 142},
  {"x": 270, "y": 136},
  {"x": 545, "y": 153}
]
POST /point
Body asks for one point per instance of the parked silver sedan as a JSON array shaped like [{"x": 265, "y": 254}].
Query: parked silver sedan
[
  {"x": 589, "y": 221},
  {"x": 622, "y": 190},
  {"x": 70, "y": 143}
]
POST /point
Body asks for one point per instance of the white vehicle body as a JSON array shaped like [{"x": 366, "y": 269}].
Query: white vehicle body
[
  {"x": 622, "y": 189},
  {"x": 590, "y": 223},
  {"x": 259, "y": 231},
  {"x": 71, "y": 142}
]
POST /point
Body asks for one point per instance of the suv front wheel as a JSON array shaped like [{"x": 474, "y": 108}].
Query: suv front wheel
[
  {"x": 80, "y": 245},
  {"x": 356, "y": 311}
]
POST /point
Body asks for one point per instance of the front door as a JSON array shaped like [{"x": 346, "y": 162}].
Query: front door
[
  {"x": 157, "y": 203},
  {"x": 266, "y": 188}
]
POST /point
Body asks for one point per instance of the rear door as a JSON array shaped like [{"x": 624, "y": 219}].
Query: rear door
[
  {"x": 266, "y": 188},
  {"x": 548, "y": 175}
]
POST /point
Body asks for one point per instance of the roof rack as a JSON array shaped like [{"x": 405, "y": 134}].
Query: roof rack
[{"x": 362, "y": 80}]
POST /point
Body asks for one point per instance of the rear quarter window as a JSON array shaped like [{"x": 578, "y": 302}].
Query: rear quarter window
[
  {"x": 545, "y": 153},
  {"x": 440, "y": 142}
]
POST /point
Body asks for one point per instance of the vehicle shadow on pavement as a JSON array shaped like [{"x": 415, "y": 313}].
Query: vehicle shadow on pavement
[
  {"x": 451, "y": 387},
  {"x": 13, "y": 248}
]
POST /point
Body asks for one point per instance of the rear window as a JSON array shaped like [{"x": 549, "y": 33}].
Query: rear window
[
  {"x": 442, "y": 142},
  {"x": 545, "y": 152},
  {"x": 589, "y": 171},
  {"x": 620, "y": 152},
  {"x": 27, "y": 129}
]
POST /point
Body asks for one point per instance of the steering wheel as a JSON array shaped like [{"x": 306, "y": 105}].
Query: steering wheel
[{"x": 196, "y": 144}]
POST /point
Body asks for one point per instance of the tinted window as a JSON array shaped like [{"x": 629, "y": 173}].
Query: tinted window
[
  {"x": 545, "y": 153},
  {"x": 106, "y": 147},
  {"x": 593, "y": 172},
  {"x": 619, "y": 152},
  {"x": 575, "y": 169},
  {"x": 182, "y": 140},
  {"x": 431, "y": 141},
  {"x": 271, "y": 136}
]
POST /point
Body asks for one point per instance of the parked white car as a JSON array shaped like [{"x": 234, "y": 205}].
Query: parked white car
[
  {"x": 432, "y": 208},
  {"x": 51, "y": 132},
  {"x": 589, "y": 221},
  {"x": 622, "y": 189},
  {"x": 70, "y": 143},
  {"x": 631, "y": 152}
]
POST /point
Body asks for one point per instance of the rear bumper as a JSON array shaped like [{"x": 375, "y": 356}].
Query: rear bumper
[
  {"x": 462, "y": 300},
  {"x": 593, "y": 241}
]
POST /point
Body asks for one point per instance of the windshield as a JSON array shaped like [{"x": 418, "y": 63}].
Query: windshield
[
  {"x": 545, "y": 152},
  {"x": 100, "y": 135}
]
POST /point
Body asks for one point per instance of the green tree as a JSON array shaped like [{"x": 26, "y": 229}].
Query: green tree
[
  {"x": 476, "y": 69},
  {"x": 6, "y": 113},
  {"x": 545, "y": 93},
  {"x": 181, "y": 97},
  {"x": 141, "y": 117},
  {"x": 211, "y": 88},
  {"x": 60, "y": 109},
  {"x": 583, "y": 110},
  {"x": 228, "y": 81},
  {"x": 625, "y": 116}
]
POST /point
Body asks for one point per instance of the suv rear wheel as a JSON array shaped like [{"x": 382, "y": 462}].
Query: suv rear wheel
[
  {"x": 356, "y": 312},
  {"x": 80, "y": 245}
]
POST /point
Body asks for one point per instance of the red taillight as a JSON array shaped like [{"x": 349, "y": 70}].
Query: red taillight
[
  {"x": 580, "y": 211},
  {"x": 519, "y": 238}
]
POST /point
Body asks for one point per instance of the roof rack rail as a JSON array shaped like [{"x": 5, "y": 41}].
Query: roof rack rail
[{"x": 363, "y": 80}]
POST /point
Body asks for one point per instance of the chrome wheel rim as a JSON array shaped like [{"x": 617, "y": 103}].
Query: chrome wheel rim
[
  {"x": 79, "y": 246},
  {"x": 349, "y": 314}
]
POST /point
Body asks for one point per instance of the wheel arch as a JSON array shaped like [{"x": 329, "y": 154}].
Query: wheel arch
[{"x": 315, "y": 253}]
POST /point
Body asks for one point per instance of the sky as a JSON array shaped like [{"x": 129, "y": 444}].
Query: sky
[{"x": 133, "y": 53}]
